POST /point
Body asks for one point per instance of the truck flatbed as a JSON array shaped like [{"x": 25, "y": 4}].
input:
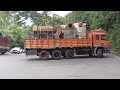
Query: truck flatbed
[{"x": 53, "y": 43}]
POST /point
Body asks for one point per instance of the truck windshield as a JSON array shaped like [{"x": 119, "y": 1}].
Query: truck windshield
[{"x": 104, "y": 37}]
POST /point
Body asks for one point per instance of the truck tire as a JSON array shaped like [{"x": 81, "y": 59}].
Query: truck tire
[
  {"x": 56, "y": 55},
  {"x": 44, "y": 55},
  {"x": 2, "y": 53},
  {"x": 100, "y": 53},
  {"x": 69, "y": 54}
]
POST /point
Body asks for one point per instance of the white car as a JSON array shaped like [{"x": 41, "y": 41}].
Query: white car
[
  {"x": 23, "y": 51},
  {"x": 16, "y": 50}
]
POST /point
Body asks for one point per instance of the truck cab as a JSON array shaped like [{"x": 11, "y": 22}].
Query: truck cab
[{"x": 99, "y": 39}]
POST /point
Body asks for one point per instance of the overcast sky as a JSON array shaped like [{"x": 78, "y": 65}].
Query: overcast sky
[{"x": 61, "y": 13}]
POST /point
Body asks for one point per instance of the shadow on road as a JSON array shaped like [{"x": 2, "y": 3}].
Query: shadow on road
[
  {"x": 4, "y": 54},
  {"x": 76, "y": 57},
  {"x": 88, "y": 57}
]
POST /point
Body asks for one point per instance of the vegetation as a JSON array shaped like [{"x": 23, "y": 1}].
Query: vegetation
[
  {"x": 12, "y": 23},
  {"x": 107, "y": 20}
]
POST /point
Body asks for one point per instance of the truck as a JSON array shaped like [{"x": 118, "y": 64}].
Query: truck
[
  {"x": 44, "y": 44},
  {"x": 4, "y": 44}
]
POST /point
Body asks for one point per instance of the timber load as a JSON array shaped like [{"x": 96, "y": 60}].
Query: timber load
[{"x": 61, "y": 31}]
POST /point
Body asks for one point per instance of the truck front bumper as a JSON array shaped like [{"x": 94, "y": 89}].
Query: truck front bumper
[{"x": 107, "y": 50}]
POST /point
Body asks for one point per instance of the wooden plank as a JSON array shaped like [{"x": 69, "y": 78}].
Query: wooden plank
[{"x": 50, "y": 43}]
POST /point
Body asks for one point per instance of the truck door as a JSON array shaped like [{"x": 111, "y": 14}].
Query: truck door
[
  {"x": 104, "y": 41},
  {"x": 96, "y": 40}
]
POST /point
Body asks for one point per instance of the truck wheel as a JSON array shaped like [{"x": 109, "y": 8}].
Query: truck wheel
[
  {"x": 56, "y": 54},
  {"x": 100, "y": 53},
  {"x": 69, "y": 54},
  {"x": 2, "y": 52},
  {"x": 44, "y": 55}
]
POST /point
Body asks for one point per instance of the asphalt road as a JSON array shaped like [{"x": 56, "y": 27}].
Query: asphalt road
[{"x": 82, "y": 67}]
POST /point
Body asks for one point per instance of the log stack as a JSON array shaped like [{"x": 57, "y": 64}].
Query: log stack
[
  {"x": 43, "y": 31},
  {"x": 42, "y": 28}
]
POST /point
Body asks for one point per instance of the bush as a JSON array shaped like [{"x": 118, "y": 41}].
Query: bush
[{"x": 114, "y": 36}]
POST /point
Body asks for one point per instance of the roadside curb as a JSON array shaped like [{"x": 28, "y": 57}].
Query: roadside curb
[{"x": 115, "y": 53}]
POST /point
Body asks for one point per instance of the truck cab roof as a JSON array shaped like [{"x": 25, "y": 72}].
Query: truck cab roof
[{"x": 97, "y": 31}]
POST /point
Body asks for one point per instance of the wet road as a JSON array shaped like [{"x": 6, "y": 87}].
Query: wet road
[{"x": 21, "y": 67}]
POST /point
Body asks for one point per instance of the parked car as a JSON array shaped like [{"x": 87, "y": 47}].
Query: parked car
[{"x": 16, "y": 50}]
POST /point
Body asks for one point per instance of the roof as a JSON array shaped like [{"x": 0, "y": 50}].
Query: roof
[
  {"x": 42, "y": 28},
  {"x": 66, "y": 27},
  {"x": 98, "y": 31}
]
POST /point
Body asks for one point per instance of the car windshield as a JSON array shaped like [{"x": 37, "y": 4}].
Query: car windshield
[{"x": 104, "y": 37}]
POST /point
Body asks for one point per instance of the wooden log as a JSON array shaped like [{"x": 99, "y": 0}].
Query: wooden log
[{"x": 42, "y": 28}]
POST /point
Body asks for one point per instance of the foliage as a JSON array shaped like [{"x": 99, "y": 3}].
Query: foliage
[
  {"x": 114, "y": 36},
  {"x": 107, "y": 20},
  {"x": 12, "y": 23}
]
